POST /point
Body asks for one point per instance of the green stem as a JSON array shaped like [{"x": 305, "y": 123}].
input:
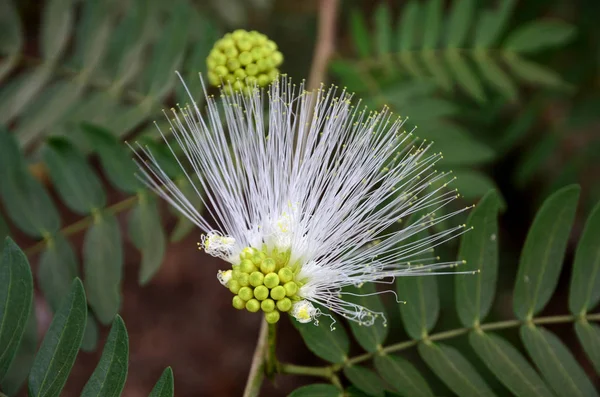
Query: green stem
[
  {"x": 292, "y": 369},
  {"x": 257, "y": 368},
  {"x": 271, "y": 359},
  {"x": 329, "y": 372},
  {"x": 84, "y": 223}
]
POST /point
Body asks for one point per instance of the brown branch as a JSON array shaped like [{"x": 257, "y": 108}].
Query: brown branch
[
  {"x": 257, "y": 368},
  {"x": 325, "y": 43}
]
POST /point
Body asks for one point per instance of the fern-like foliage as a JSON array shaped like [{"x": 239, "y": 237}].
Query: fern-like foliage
[
  {"x": 94, "y": 82},
  {"x": 47, "y": 370},
  {"x": 506, "y": 368},
  {"x": 430, "y": 44}
]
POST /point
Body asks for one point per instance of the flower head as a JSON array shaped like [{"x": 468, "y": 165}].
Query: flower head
[
  {"x": 241, "y": 60},
  {"x": 305, "y": 198}
]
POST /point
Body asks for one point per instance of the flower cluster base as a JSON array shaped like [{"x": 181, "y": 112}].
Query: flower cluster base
[{"x": 263, "y": 281}]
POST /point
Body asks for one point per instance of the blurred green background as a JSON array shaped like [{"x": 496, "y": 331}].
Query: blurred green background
[{"x": 508, "y": 90}]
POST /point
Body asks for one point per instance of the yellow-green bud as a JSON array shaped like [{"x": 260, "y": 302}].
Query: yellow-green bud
[
  {"x": 230, "y": 78},
  {"x": 268, "y": 305},
  {"x": 244, "y": 45},
  {"x": 261, "y": 292},
  {"x": 243, "y": 279},
  {"x": 240, "y": 74},
  {"x": 251, "y": 69},
  {"x": 284, "y": 304},
  {"x": 234, "y": 286},
  {"x": 285, "y": 274},
  {"x": 213, "y": 78},
  {"x": 245, "y": 58},
  {"x": 256, "y": 279},
  {"x": 278, "y": 293},
  {"x": 252, "y": 306},
  {"x": 263, "y": 80},
  {"x": 257, "y": 260},
  {"x": 271, "y": 280},
  {"x": 231, "y": 53},
  {"x": 251, "y": 81},
  {"x": 277, "y": 58},
  {"x": 246, "y": 293},
  {"x": 247, "y": 253},
  {"x": 238, "y": 86},
  {"x": 272, "y": 317},
  {"x": 243, "y": 54},
  {"x": 247, "y": 266},
  {"x": 291, "y": 288},
  {"x": 268, "y": 266},
  {"x": 238, "y": 302},
  {"x": 221, "y": 71},
  {"x": 233, "y": 65}
]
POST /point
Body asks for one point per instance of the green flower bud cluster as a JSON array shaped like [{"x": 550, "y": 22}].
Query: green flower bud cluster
[
  {"x": 264, "y": 282},
  {"x": 244, "y": 59}
]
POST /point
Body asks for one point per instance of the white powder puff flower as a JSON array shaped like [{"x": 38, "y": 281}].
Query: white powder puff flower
[{"x": 305, "y": 196}]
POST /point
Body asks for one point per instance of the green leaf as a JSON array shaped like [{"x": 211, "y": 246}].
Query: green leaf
[
  {"x": 164, "y": 387},
  {"x": 57, "y": 20},
  {"x": 330, "y": 345},
  {"x": 464, "y": 75},
  {"x": 459, "y": 21},
  {"x": 365, "y": 379},
  {"x": 93, "y": 31},
  {"x": 479, "y": 248},
  {"x": 3, "y": 231},
  {"x": 457, "y": 146},
  {"x": 11, "y": 39},
  {"x": 110, "y": 374},
  {"x": 383, "y": 29},
  {"x": 103, "y": 266},
  {"x": 539, "y": 35},
  {"x": 16, "y": 294},
  {"x": 427, "y": 111},
  {"x": 91, "y": 333},
  {"x": 25, "y": 200},
  {"x": 454, "y": 370},
  {"x": 533, "y": 72},
  {"x": 369, "y": 337},
  {"x": 116, "y": 159},
  {"x": 519, "y": 127},
  {"x": 349, "y": 75},
  {"x": 146, "y": 233},
  {"x": 543, "y": 253},
  {"x": 556, "y": 363},
  {"x": 422, "y": 307},
  {"x": 507, "y": 363},
  {"x": 491, "y": 24},
  {"x": 589, "y": 336},
  {"x": 58, "y": 267},
  {"x": 495, "y": 75},
  {"x": 534, "y": 159},
  {"x": 73, "y": 177},
  {"x": 19, "y": 370},
  {"x": 433, "y": 24},
  {"x": 434, "y": 63},
  {"x": 50, "y": 105},
  {"x": 59, "y": 348},
  {"x": 184, "y": 226},
  {"x": 317, "y": 390},
  {"x": 407, "y": 26},
  {"x": 584, "y": 292},
  {"x": 360, "y": 34},
  {"x": 472, "y": 184},
  {"x": 402, "y": 376},
  {"x": 168, "y": 52}
]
